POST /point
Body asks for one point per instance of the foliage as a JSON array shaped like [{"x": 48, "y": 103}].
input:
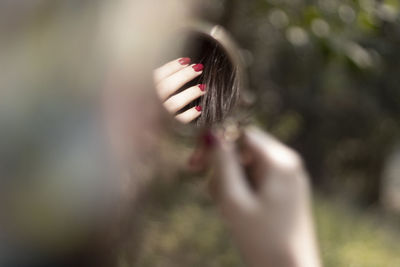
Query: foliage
[
  {"x": 187, "y": 232},
  {"x": 325, "y": 74}
]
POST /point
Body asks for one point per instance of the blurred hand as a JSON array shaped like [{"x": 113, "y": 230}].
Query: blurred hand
[
  {"x": 170, "y": 78},
  {"x": 262, "y": 191}
]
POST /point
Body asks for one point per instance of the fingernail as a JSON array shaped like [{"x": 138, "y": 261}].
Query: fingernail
[
  {"x": 198, "y": 67},
  {"x": 199, "y": 108},
  {"x": 202, "y": 87},
  {"x": 209, "y": 139},
  {"x": 184, "y": 61}
]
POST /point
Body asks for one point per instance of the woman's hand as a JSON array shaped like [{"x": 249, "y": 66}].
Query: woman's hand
[
  {"x": 170, "y": 78},
  {"x": 262, "y": 191}
]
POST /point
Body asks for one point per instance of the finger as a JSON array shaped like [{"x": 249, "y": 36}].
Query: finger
[
  {"x": 199, "y": 161},
  {"x": 264, "y": 155},
  {"x": 170, "y": 68},
  {"x": 179, "y": 101},
  {"x": 276, "y": 170},
  {"x": 171, "y": 84},
  {"x": 264, "y": 146},
  {"x": 189, "y": 115},
  {"x": 228, "y": 185}
]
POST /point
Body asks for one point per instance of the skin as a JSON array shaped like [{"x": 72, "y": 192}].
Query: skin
[
  {"x": 259, "y": 185},
  {"x": 262, "y": 192},
  {"x": 271, "y": 220},
  {"x": 168, "y": 79}
]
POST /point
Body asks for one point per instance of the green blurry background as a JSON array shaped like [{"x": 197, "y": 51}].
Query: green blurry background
[{"x": 326, "y": 79}]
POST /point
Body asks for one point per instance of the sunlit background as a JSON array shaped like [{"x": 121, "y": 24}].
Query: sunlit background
[{"x": 326, "y": 76}]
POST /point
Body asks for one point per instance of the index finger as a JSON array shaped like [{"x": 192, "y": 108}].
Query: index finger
[
  {"x": 270, "y": 149},
  {"x": 170, "y": 68}
]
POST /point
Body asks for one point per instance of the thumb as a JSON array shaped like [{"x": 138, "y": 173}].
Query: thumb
[{"x": 228, "y": 184}]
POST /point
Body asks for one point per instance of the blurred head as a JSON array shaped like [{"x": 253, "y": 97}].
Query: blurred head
[
  {"x": 133, "y": 41},
  {"x": 59, "y": 185}
]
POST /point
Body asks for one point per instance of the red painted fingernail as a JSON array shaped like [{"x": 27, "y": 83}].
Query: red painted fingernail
[
  {"x": 199, "y": 108},
  {"x": 184, "y": 61},
  {"x": 198, "y": 67},
  {"x": 202, "y": 87},
  {"x": 209, "y": 139}
]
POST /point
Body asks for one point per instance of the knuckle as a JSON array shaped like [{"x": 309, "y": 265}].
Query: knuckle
[
  {"x": 162, "y": 88},
  {"x": 297, "y": 160},
  {"x": 169, "y": 106},
  {"x": 292, "y": 162}
]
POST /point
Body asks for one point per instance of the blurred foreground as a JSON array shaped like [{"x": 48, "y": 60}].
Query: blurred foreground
[
  {"x": 184, "y": 230},
  {"x": 325, "y": 75}
]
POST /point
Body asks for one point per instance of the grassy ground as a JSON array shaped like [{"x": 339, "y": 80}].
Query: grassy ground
[
  {"x": 185, "y": 231},
  {"x": 356, "y": 238}
]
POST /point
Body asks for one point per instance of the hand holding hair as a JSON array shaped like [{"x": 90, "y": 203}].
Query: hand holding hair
[
  {"x": 203, "y": 93},
  {"x": 173, "y": 76}
]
